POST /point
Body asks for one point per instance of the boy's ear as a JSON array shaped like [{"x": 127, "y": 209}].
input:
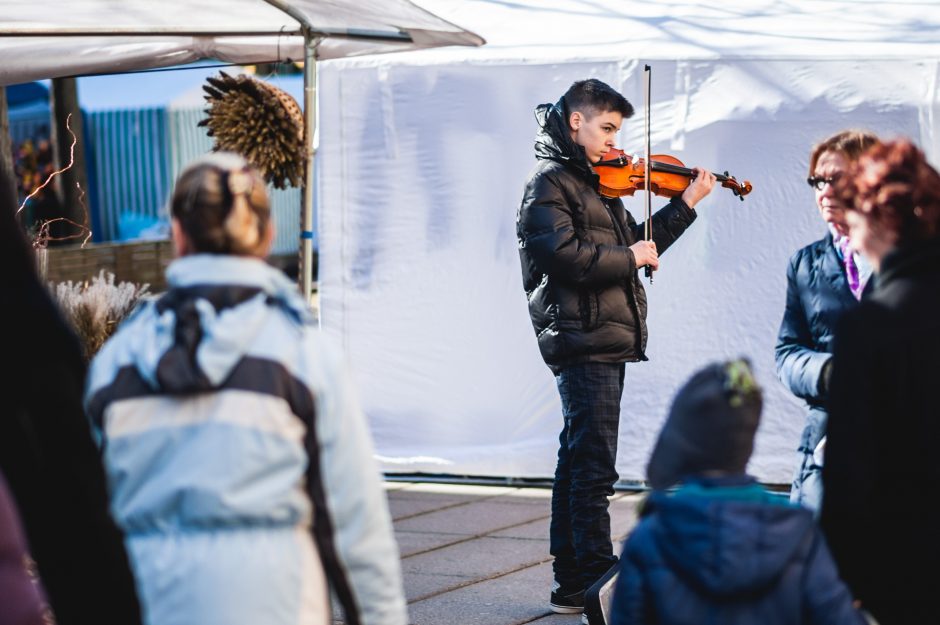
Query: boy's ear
[{"x": 575, "y": 120}]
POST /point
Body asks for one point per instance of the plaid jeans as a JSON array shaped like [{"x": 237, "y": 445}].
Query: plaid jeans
[{"x": 585, "y": 474}]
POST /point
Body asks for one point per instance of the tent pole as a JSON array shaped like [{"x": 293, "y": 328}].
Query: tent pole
[{"x": 310, "y": 126}]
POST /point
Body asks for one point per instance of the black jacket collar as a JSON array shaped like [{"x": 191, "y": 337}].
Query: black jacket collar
[
  {"x": 554, "y": 141},
  {"x": 910, "y": 259}
]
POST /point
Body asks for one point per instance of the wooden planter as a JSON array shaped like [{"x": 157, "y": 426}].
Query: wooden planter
[{"x": 140, "y": 262}]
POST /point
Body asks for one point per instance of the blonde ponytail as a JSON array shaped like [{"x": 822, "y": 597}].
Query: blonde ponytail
[{"x": 242, "y": 224}]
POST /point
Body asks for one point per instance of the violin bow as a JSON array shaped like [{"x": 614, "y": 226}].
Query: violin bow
[{"x": 648, "y": 225}]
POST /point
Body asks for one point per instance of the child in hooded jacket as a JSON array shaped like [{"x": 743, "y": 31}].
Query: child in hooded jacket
[{"x": 720, "y": 548}]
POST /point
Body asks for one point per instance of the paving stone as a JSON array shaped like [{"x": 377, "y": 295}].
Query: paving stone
[
  {"x": 462, "y": 579},
  {"x": 519, "y": 597},
  {"x": 543, "y": 507},
  {"x": 479, "y": 518},
  {"x": 534, "y": 530},
  {"x": 403, "y": 508},
  {"x": 481, "y": 557},
  {"x": 418, "y": 585},
  {"x": 410, "y": 543},
  {"x": 455, "y": 558},
  {"x": 622, "y": 520},
  {"x": 443, "y": 500}
]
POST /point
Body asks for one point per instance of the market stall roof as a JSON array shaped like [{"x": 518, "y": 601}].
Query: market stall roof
[{"x": 57, "y": 38}]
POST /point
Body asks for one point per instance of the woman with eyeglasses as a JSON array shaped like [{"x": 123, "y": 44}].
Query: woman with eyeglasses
[
  {"x": 882, "y": 475},
  {"x": 824, "y": 279}
]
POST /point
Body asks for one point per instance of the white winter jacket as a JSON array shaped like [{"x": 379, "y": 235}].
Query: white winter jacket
[{"x": 239, "y": 464}]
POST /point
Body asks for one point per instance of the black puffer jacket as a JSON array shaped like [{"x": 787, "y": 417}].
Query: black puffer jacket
[{"x": 585, "y": 297}]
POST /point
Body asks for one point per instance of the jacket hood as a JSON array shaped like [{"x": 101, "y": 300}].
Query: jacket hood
[
  {"x": 728, "y": 547},
  {"x": 204, "y": 325},
  {"x": 554, "y": 142}
]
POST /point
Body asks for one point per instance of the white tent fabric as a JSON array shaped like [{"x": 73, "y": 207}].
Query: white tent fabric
[
  {"x": 60, "y": 37},
  {"x": 422, "y": 163}
]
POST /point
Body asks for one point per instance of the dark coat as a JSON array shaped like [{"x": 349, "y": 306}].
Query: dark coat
[
  {"x": 585, "y": 297},
  {"x": 817, "y": 295},
  {"x": 47, "y": 454},
  {"x": 881, "y": 474},
  {"x": 725, "y": 559},
  {"x": 20, "y": 601}
]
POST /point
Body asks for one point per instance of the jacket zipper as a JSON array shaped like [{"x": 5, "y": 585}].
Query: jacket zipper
[{"x": 628, "y": 286}]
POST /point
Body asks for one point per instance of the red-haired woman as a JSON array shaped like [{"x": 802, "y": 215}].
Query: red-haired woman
[{"x": 881, "y": 473}]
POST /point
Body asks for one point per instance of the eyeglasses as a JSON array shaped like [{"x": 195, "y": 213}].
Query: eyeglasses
[{"x": 818, "y": 182}]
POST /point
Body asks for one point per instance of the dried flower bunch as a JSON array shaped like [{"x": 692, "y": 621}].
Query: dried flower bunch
[
  {"x": 96, "y": 309},
  {"x": 259, "y": 121}
]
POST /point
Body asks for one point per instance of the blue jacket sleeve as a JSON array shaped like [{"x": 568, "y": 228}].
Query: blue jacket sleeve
[
  {"x": 799, "y": 366},
  {"x": 629, "y": 606}
]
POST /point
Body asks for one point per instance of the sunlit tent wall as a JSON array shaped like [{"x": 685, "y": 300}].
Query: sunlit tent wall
[{"x": 423, "y": 159}]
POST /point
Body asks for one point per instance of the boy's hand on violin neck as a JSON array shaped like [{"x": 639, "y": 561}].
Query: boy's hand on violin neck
[
  {"x": 701, "y": 186},
  {"x": 644, "y": 252}
]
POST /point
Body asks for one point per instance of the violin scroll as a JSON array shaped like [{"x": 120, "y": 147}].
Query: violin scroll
[{"x": 739, "y": 189}]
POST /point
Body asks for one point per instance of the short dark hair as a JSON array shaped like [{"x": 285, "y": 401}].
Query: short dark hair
[{"x": 592, "y": 96}]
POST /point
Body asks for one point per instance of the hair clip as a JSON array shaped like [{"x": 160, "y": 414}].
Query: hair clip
[{"x": 239, "y": 182}]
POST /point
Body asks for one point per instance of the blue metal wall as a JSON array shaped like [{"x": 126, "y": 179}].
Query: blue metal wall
[{"x": 132, "y": 166}]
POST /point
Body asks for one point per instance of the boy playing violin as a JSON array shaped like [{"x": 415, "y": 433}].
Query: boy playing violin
[{"x": 580, "y": 254}]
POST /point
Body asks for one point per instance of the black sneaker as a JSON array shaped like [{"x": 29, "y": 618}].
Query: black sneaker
[{"x": 564, "y": 601}]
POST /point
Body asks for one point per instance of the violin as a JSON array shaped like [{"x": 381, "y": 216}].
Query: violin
[{"x": 622, "y": 174}]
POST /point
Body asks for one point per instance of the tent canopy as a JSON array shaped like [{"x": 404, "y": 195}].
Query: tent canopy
[
  {"x": 570, "y": 30},
  {"x": 57, "y": 38}
]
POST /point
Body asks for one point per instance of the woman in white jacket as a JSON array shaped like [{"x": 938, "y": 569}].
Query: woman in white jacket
[{"x": 239, "y": 464}]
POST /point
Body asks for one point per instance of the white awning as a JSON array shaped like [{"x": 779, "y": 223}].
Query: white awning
[{"x": 56, "y": 38}]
